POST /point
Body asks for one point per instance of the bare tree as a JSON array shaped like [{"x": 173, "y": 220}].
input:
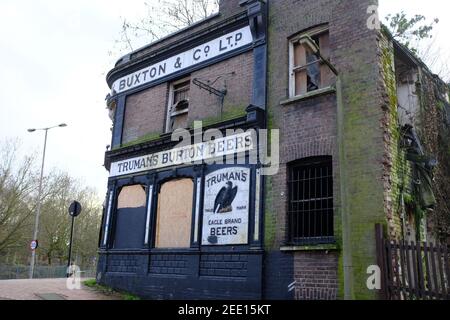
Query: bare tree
[
  {"x": 56, "y": 222},
  {"x": 416, "y": 33},
  {"x": 18, "y": 199},
  {"x": 17, "y": 185},
  {"x": 162, "y": 17}
]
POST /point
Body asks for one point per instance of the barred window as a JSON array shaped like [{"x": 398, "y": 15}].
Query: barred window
[{"x": 310, "y": 214}]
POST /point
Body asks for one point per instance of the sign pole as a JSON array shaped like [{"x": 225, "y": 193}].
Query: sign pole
[
  {"x": 74, "y": 211},
  {"x": 70, "y": 247}
]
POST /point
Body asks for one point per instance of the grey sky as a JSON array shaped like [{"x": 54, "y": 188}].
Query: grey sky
[{"x": 53, "y": 61}]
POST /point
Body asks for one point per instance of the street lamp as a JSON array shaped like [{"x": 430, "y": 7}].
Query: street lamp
[{"x": 38, "y": 209}]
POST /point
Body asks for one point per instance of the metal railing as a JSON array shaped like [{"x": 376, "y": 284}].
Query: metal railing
[{"x": 40, "y": 272}]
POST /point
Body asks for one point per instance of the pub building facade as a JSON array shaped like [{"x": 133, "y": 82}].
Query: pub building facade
[{"x": 180, "y": 222}]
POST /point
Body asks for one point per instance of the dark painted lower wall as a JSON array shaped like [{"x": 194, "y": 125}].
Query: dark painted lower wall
[
  {"x": 278, "y": 275},
  {"x": 184, "y": 276},
  {"x": 244, "y": 275}
]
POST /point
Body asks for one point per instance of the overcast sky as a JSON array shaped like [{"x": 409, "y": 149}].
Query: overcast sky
[{"x": 53, "y": 62}]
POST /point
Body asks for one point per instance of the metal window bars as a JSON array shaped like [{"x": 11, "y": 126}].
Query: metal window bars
[{"x": 310, "y": 212}]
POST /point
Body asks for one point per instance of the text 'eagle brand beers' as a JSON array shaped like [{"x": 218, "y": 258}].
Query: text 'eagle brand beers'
[{"x": 226, "y": 207}]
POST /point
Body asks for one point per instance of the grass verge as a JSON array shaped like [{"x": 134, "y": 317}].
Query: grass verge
[{"x": 92, "y": 283}]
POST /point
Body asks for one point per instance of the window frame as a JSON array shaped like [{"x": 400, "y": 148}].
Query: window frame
[
  {"x": 296, "y": 239},
  {"x": 117, "y": 187},
  {"x": 153, "y": 244},
  {"x": 170, "y": 102},
  {"x": 293, "y": 69}
]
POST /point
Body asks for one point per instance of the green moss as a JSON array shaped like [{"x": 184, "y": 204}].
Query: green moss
[
  {"x": 365, "y": 192},
  {"x": 408, "y": 199},
  {"x": 147, "y": 138},
  {"x": 229, "y": 113},
  {"x": 341, "y": 280},
  {"x": 92, "y": 283},
  {"x": 270, "y": 225}
]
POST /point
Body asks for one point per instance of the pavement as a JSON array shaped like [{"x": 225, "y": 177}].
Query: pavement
[{"x": 48, "y": 289}]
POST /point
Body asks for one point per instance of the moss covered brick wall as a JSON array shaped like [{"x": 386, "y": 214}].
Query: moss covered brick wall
[
  {"x": 362, "y": 171},
  {"x": 397, "y": 171}
]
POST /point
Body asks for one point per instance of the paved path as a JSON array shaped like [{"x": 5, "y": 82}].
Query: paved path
[{"x": 47, "y": 289}]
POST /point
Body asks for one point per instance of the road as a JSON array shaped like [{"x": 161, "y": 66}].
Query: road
[{"x": 48, "y": 289}]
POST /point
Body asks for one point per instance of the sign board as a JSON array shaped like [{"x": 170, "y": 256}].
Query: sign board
[
  {"x": 207, "y": 51},
  {"x": 34, "y": 244},
  {"x": 75, "y": 209},
  {"x": 226, "y": 207},
  {"x": 190, "y": 154}
]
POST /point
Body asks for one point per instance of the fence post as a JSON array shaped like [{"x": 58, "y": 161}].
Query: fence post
[{"x": 381, "y": 260}]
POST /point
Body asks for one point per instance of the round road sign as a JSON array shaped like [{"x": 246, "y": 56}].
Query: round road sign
[
  {"x": 75, "y": 209},
  {"x": 34, "y": 244}
]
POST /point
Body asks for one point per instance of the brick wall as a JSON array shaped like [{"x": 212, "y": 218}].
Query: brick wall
[
  {"x": 316, "y": 276},
  {"x": 396, "y": 170},
  {"x": 145, "y": 112},
  {"x": 235, "y": 75},
  {"x": 228, "y": 8},
  {"x": 357, "y": 56},
  {"x": 309, "y": 128}
]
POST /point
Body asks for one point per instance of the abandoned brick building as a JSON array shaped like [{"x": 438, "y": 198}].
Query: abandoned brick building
[{"x": 362, "y": 126}]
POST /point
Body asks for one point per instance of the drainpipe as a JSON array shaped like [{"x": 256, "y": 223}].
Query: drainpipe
[{"x": 345, "y": 212}]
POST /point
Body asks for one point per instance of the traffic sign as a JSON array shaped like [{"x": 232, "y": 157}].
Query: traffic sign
[
  {"x": 75, "y": 209},
  {"x": 34, "y": 244}
]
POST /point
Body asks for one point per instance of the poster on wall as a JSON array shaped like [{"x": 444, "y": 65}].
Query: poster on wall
[{"x": 226, "y": 207}]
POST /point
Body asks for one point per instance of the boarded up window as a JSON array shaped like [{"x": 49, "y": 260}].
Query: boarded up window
[
  {"x": 174, "y": 216},
  {"x": 130, "y": 217},
  {"x": 308, "y": 72},
  {"x": 132, "y": 197}
]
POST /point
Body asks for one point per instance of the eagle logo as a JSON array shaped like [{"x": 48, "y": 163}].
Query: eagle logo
[{"x": 225, "y": 198}]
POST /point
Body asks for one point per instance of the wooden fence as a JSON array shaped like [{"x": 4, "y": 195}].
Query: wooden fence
[{"x": 413, "y": 271}]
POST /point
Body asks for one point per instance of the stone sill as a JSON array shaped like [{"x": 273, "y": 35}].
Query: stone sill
[
  {"x": 318, "y": 247},
  {"x": 309, "y": 95}
]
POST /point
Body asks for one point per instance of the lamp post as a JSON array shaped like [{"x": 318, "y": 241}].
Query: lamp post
[{"x": 38, "y": 209}]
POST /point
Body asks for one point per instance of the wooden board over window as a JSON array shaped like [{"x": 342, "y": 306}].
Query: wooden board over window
[
  {"x": 174, "y": 216},
  {"x": 132, "y": 197}
]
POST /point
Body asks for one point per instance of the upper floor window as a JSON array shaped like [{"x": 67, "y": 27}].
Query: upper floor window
[
  {"x": 178, "y": 104},
  {"x": 310, "y": 215},
  {"x": 307, "y": 71}
]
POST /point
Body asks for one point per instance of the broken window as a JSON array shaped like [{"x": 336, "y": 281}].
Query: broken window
[
  {"x": 310, "y": 212},
  {"x": 178, "y": 105},
  {"x": 174, "y": 215},
  {"x": 407, "y": 81},
  {"x": 130, "y": 217},
  {"x": 308, "y": 72}
]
